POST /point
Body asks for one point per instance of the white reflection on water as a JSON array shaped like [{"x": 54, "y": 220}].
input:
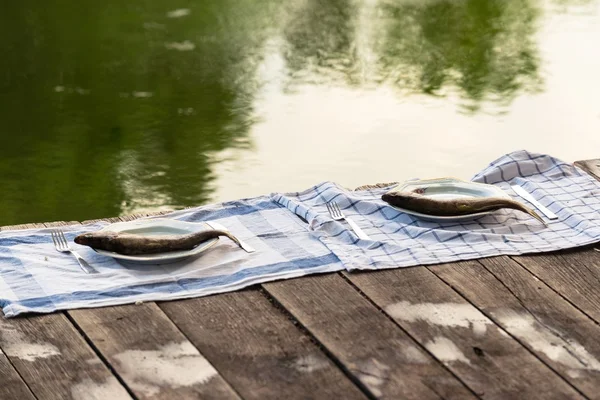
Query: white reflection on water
[
  {"x": 357, "y": 135},
  {"x": 154, "y": 26},
  {"x": 178, "y": 13},
  {"x": 142, "y": 94},
  {"x": 78, "y": 90},
  {"x": 186, "y": 45}
]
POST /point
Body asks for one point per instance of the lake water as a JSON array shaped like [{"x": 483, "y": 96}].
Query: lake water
[{"x": 111, "y": 107}]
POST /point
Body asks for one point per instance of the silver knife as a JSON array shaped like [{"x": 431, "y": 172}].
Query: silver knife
[
  {"x": 523, "y": 193},
  {"x": 243, "y": 245}
]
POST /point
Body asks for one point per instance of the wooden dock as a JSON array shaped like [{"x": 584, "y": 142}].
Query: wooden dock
[{"x": 495, "y": 328}]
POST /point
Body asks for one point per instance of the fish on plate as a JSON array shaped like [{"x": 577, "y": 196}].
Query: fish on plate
[
  {"x": 416, "y": 201},
  {"x": 135, "y": 244}
]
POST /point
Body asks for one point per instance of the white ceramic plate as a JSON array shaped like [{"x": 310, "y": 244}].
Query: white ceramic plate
[
  {"x": 449, "y": 189},
  {"x": 159, "y": 226}
]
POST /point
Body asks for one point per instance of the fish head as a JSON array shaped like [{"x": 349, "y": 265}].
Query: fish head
[
  {"x": 95, "y": 239},
  {"x": 399, "y": 199}
]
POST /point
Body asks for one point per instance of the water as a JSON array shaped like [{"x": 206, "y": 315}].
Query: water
[{"x": 109, "y": 108}]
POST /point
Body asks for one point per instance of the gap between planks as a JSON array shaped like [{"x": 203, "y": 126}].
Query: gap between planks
[
  {"x": 526, "y": 328},
  {"x": 374, "y": 349},
  {"x": 441, "y": 318},
  {"x": 548, "y": 283},
  {"x": 322, "y": 347},
  {"x": 345, "y": 276}
]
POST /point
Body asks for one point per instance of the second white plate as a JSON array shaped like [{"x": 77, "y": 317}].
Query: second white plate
[{"x": 449, "y": 189}]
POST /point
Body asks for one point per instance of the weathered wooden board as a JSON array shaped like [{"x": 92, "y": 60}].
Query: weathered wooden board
[
  {"x": 55, "y": 361},
  {"x": 575, "y": 274},
  {"x": 554, "y": 330},
  {"x": 150, "y": 354},
  {"x": 592, "y": 167},
  {"x": 259, "y": 351},
  {"x": 471, "y": 345},
  {"x": 21, "y": 226},
  {"x": 369, "y": 345},
  {"x": 12, "y": 387}
]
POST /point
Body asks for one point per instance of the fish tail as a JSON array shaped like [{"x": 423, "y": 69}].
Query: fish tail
[
  {"x": 236, "y": 240},
  {"x": 532, "y": 213},
  {"x": 537, "y": 216},
  {"x": 218, "y": 232}
]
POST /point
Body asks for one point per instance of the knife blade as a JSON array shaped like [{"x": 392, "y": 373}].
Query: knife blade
[
  {"x": 524, "y": 194},
  {"x": 243, "y": 245}
]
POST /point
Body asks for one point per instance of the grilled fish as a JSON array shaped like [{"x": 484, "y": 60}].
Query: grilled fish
[
  {"x": 427, "y": 205},
  {"x": 134, "y": 244}
]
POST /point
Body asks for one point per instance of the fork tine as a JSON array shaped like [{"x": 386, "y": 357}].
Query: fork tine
[
  {"x": 63, "y": 239},
  {"x": 56, "y": 239},
  {"x": 59, "y": 240},
  {"x": 53, "y": 239},
  {"x": 334, "y": 214},
  {"x": 337, "y": 209}
]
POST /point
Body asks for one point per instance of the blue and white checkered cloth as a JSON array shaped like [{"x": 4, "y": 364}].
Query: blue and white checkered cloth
[
  {"x": 34, "y": 277},
  {"x": 401, "y": 240}
]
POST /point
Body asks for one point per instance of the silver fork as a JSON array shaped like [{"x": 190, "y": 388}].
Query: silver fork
[
  {"x": 62, "y": 245},
  {"x": 336, "y": 214}
]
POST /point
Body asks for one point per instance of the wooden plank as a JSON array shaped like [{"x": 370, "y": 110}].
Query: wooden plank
[
  {"x": 20, "y": 226},
  {"x": 560, "y": 335},
  {"x": 259, "y": 351},
  {"x": 150, "y": 354},
  {"x": 12, "y": 386},
  {"x": 53, "y": 358},
  {"x": 370, "y": 346},
  {"x": 55, "y": 361},
  {"x": 592, "y": 167},
  {"x": 110, "y": 220},
  {"x": 471, "y": 345},
  {"x": 575, "y": 274}
]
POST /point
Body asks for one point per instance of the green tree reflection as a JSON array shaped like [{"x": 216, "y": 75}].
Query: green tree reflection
[
  {"x": 484, "y": 50},
  {"x": 320, "y": 41},
  {"x": 113, "y": 106}
]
